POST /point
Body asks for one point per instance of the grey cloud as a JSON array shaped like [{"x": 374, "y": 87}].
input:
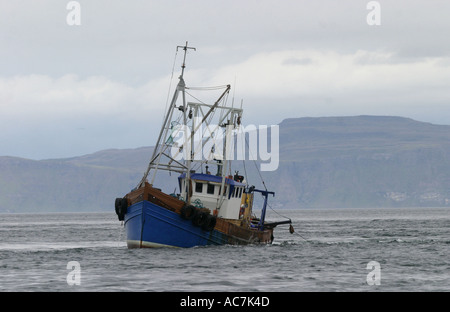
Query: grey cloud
[{"x": 132, "y": 43}]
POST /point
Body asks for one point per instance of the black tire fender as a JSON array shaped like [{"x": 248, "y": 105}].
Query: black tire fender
[
  {"x": 121, "y": 206},
  {"x": 199, "y": 218},
  {"x": 210, "y": 223},
  {"x": 187, "y": 212}
]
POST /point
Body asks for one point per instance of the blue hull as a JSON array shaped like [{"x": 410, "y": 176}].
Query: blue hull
[{"x": 149, "y": 225}]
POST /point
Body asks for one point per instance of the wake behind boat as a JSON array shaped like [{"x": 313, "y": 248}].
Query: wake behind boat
[{"x": 210, "y": 209}]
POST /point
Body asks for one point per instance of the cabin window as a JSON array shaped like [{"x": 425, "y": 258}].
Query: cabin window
[
  {"x": 240, "y": 192},
  {"x": 236, "y": 192},
  {"x": 224, "y": 190},
  {"x": 198, "y": 187},
  {"x": 210, "y": 189}
]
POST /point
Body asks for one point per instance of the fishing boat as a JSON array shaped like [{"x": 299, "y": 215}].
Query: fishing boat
[{"x": 210, "y": 208}]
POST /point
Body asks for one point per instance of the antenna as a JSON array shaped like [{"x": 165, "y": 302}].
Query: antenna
[
  {"x": 185, "y": 48},
  {"x": 234, "y": 91}
]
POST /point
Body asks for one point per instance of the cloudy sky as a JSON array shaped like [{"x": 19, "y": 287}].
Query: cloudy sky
[{"x": 68, "y": 90}]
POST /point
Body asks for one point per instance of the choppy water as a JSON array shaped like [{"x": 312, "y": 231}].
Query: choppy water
[{"x": 329, "y": 252}]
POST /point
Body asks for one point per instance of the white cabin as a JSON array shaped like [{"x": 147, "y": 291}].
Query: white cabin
[{"x": 206, "y": 188}]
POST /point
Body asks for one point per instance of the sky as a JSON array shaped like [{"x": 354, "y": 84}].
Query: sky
[{"x": 78, "y": 79}]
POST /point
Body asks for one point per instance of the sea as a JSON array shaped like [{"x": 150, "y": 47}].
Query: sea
[{"x": 330, "y": 250}]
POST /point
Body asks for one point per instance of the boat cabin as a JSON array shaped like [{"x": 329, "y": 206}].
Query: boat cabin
[{"x": 207, "y": 191}]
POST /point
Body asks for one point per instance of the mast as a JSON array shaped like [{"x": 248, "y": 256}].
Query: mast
[
  {"x": 162, "y": 159},
  {"x": 229, "y": 127},
  {"x": 185, "y": 48},
  {"x": 188, "y": 160},
  {"x": 159, "y": 151}
]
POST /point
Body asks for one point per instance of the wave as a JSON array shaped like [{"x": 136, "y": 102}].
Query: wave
[{"x": 46, "y": 246}]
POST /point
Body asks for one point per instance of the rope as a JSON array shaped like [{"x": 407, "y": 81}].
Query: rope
[
  {"x": 293, "y": 232},
  {"x": 194, "y": 97},
  {"x": 171, "y": 79},
  {"x": 254, "y": 162},
  {"x": 291, "y": 228},
  {"x": 208, "y": 88},
  {"x": 277, "y": 212}
]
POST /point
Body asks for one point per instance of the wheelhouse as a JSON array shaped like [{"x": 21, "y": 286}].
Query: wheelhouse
[{"x": 223, "y": 198}]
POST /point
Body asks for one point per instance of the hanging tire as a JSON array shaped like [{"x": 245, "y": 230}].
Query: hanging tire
[
  {"x": 199, "y": 218},
  {"x": 188, "y": 212},
  {"x": 118, "y": 204},
  {"x": 121, "y": 206},
  {"x": 210, "y": 223}
]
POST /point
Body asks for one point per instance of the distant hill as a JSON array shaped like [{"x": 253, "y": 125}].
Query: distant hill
[{"x": 362, "y": 161}]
